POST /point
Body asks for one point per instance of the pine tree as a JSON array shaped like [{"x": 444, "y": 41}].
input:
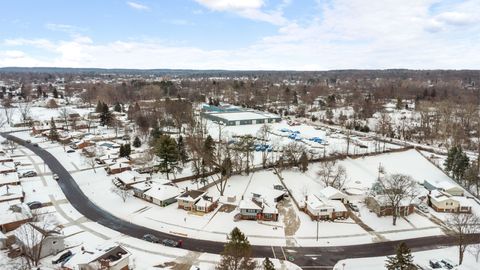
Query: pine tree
[
  {"x": 105, "y": 115},
  {"x": 99, "y": 107},
  {"x": 457, "y": 162},
  {"x": 166, "y": 149},
  {"x": 136, "y": 142},
  {"x": 127, "y": 150},
  {"x": 121, "y": 152},
  {"x": 117, "y": 107},
  {"x": 268, "y": 265},
  {"x": 55, "y": 93},
  {"x": 403, "y": 260},
  {"x": 208, "y": 150},
  {"x": 53, "y": 134},
  {"x": 236, "y": 254},
  {"x": 182, "y": 152},
  {"x": 303, "y": 162}
]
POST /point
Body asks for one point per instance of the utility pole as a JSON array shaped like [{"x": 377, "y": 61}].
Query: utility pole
[{"x": 317, "y": 228}]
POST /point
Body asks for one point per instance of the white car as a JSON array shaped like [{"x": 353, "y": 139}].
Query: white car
[
  {"x": 423, "y": 208},
  {"x": 55, "y": 176}
]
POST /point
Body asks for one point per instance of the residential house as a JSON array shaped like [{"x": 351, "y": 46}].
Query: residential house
[
  {"x": 334, "y": 194},
  {"x": 126, "y": 179},
  {"x": 449, "y": 187},
  {"x": 189, "y": 198},
  {"x": 36, "y": 237},
  {"x": 381, "y": 206},
  {"x": 9, "y": 179},
  {"x": 106, "y": 257},
  {"x": 162, "y": 195},
  {"x": 118, "y": 168},
  {"x": 11, "y": 193},
  {"x": 7, "y": 167},
  {"x": 206, "y": 204},
  {"x": 321, "y": 208},
  {"x": 256, "y": 209},
  {"x": 442, "y": 201},
  {"x": 13, "y": 214}
]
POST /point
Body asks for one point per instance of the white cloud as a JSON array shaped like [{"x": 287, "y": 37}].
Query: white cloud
[
  {"x": 67, "y": 28},
  {"x": 348, "y": 34},
  {"x": 251, "y": 9},
  {"x": 137, "y": 6}
]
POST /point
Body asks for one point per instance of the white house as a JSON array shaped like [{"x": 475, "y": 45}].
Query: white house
[
  {"x": 322, "y": 208},
  {"x": 105, "y": 257},
  {"x": 162, "y": 195},
  {"x": 332, "y": 193}
]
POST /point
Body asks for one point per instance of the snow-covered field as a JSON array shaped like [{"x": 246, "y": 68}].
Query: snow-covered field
[{"x": 421, "y": 258}]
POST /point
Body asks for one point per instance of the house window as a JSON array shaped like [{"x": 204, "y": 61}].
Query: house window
[{"x": 323, "y": 210}]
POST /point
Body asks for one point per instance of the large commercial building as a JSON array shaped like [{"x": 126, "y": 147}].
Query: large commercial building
[{"x": 241, "y": 117}]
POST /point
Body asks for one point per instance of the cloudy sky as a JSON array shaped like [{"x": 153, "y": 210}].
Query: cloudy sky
[{"x": 241, "y": 34}]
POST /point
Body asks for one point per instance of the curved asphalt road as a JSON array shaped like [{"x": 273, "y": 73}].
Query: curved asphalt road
[{"x": 306, "y": 257}]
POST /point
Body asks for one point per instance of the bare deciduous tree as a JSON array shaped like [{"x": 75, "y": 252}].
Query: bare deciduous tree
[
  {"x": 332, "y": 174},
  {"x": 24, "y": 109},
  {"x": 64, "y": 115},
  {"x": 463, "y": 225},
  {"x": 122, "y": 192},
  {"x": 397, "y": 188}
]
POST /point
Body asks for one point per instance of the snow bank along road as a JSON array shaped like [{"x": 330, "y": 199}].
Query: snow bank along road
[{"x": 305, "y": 257}]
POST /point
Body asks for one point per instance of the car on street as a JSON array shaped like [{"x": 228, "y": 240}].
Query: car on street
[
  {"x": 35, "y": 144},
  {"x": 151, "y": 238},
  {"x": 34, "y": 205},
  {"x": 171, "y": 243},
  {"x": 55, "y": 176},
  {"x": 423, "y": 207},
  {"x": 29, "y": 174},
  {"x": 28, "y": 141},
  {"x": 70, "y": 151}
]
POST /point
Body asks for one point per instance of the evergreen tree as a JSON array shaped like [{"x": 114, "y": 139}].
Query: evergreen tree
[
  {"x": 99, "y": 107},
  {"x": 105, "y": 115},
  {"x": 155, "y": 134},
  {"x": 182, "y": 152},
  {"x": 117, "y": 107},
  {"x": 53, "y": 134},
  {"x": 303, "y": 162},
  {"x": 208, "y": 150},
  {"x": 55, "y": 93},
  {"x": 403, "y": 260},
  {"x": 128, "y": 150},
  {"x": 236, "y": 254},
  {"x": 268, "y": 265},
  {"x": 166, "y": 149},
  {"x": 457, "y": 162},
  {"x": 121, "y": 152},
  {"x": 136, "y": 142}
]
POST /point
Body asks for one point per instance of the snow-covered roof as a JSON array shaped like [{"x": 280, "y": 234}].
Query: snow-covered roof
[
  {"x": 130, "y": 177},
  {"x": 316, "y": 203},
  {"x": 191, "y": 195},
  {"x": 244, "y": 115},
  {"x": 7, "y": 166},
  {"x": 92, "y": 254},
  {"x": 11, "y": 192},
  {"x": 163, "y": 192},
  {"x": 248, "y": 204},
  {"x": 268, "y": 194},
  {"x": 203, "y": 202},
  {"x": 9, "y": 178},
  {"x": 9, "y": 216},
  {"x": 441, "y": 196},
  {"x": 331, "y": 192}
]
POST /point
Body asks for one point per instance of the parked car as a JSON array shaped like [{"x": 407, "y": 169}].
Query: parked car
[
  {"x": 353, "y": 207},
  {"x": 34, "y": 205},
  {"x": 435, "y": 264},
  {"x": 62, "y": 257},
  {"x": 29, "y": 174},
  {"x": 28, "y": 141},
  {"x": 423, "y": 208},
  {"x": 447, "y": 264},
  {"x": 171, "y": 243},
  {"x": 151, "y": 238},
  {"x": 70, "y": 151},
  {"x": 55, "y": 176},
  {"x": 35, "y": 144}
]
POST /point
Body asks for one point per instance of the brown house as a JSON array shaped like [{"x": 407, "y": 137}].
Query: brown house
[
  {"x": 189, "y": 198},
  {"x": 380, "y": 206}
]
